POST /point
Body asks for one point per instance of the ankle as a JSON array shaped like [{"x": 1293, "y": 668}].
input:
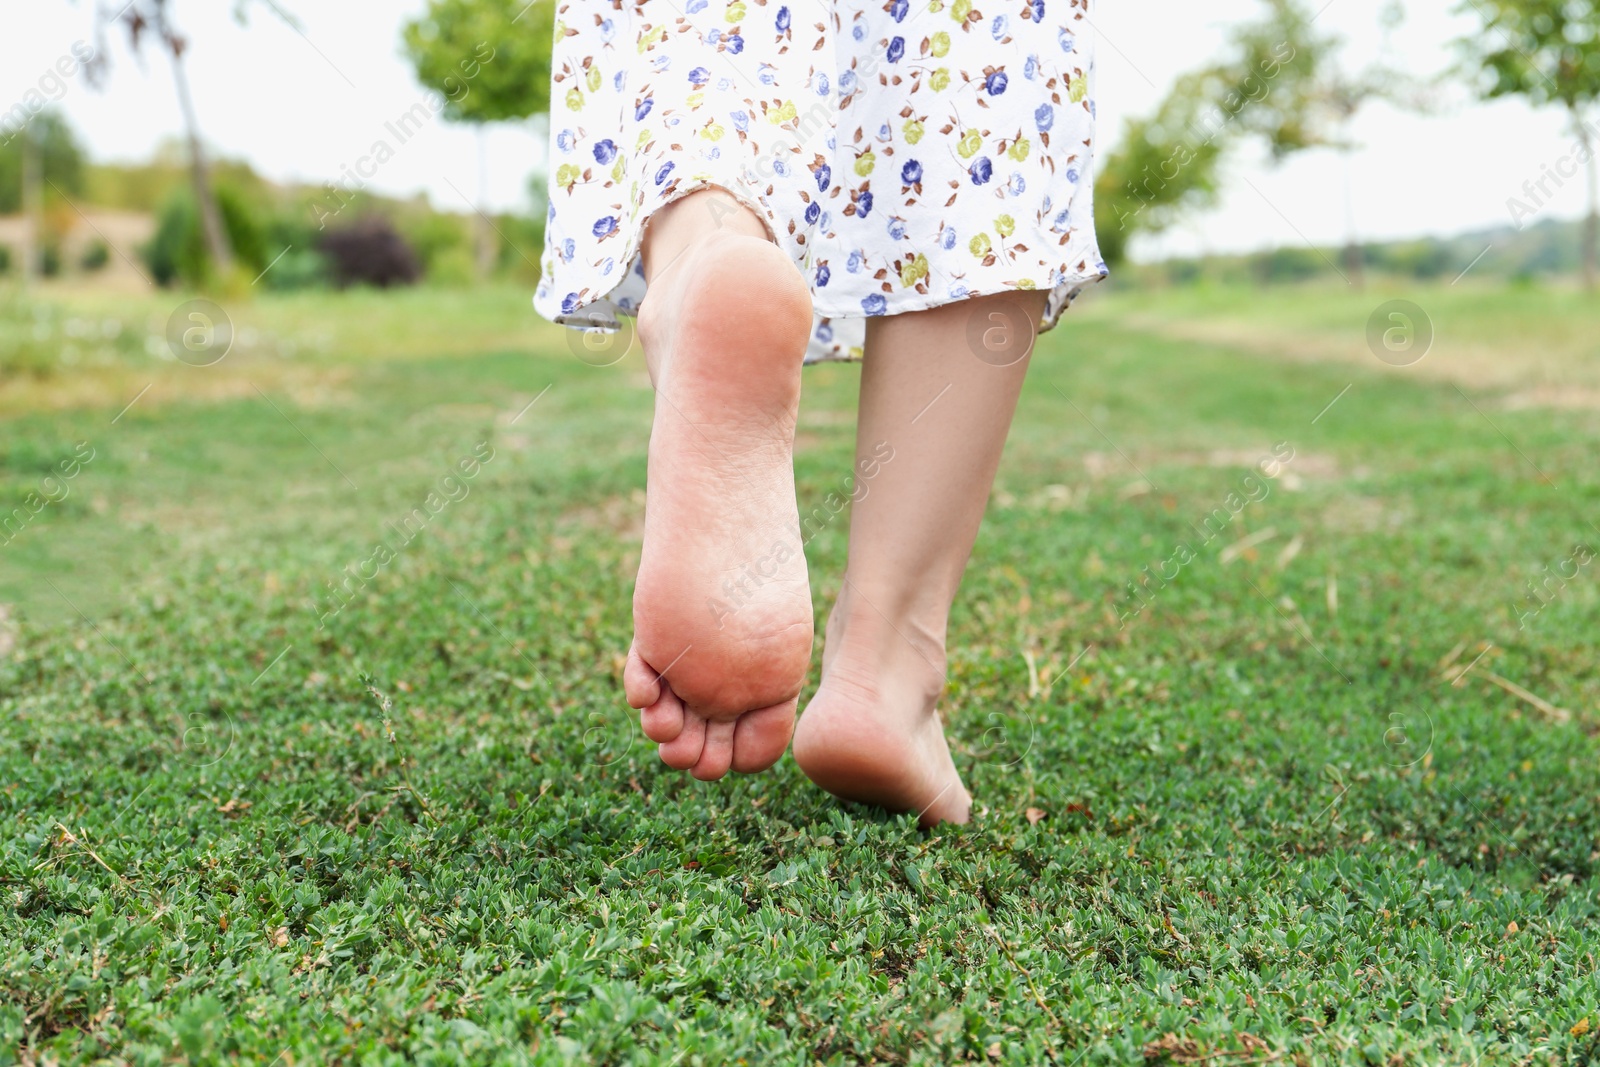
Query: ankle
[{"x": 866, "y": 649}]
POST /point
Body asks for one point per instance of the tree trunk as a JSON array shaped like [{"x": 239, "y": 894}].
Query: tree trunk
[
  {"x": 1591, "y": 224},
  {"x": 486, "y": 245},
  {"x": 216, "y": 235},
  {"x": 32, "y": 212}
]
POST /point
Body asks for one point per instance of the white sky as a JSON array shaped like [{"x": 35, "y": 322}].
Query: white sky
[{"x": 302, "y": 108}]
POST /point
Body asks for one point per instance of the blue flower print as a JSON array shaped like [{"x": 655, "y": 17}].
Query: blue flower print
[
  {"x": 864, "y": 204},
  {"x": 666, "y": 169},
  {"x": 782, "y": 21},
  {"x": 981, "y": 170},
  {"x": 643, "y": 108},
  {"x": 874, "y": 304},
  {"x": 911, "y": 173},
  {"x": 997, "y": 28},
  {"x": 605, "y": 151},
  {"x": 995, "y": 84},
  {"x": 823, "y": 275},
  {"x": 897, "y": 227},
  {"x": 734, "y": 44},
  {"x": 699, "y": 76},
  {"x": 566, "y": 140},
  {"x": 813, "y": 212},
  {"x": 854, "y": 263},
  {"x": 824, "y": 176},
  {"x": 897, "y": 48},
  {"x": 605, "y": 227},
  {"x": 1044, "y": 117},
  {"x": 898, "y": 9}
]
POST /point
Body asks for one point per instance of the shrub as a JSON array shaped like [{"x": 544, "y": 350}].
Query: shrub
[
  {"x": 178, "y": 250},
  {"x": 369, "y": 252},
  {"x": 95, "y": 257}
]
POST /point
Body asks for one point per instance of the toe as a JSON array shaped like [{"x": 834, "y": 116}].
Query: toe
[
  {"x": 683, "y": 751},
  {"x": 663, "y": 720},
  {"x": 761, "y": 736},
  {"x": 717, "y": 756},
  {"x": 640, "y": 682}
]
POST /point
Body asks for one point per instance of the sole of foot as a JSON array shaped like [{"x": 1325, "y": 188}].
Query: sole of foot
[
  {"x": 873, "y": 734},
  {"x": 722, "y": 605}
]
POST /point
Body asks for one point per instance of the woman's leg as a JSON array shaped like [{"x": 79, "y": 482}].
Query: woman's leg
[
  {"x": 722, "y": 606},
  {"x": 937, "y": 393}
]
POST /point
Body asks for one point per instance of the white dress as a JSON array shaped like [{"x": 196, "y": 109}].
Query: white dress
[{"x": 905, "y": 154}]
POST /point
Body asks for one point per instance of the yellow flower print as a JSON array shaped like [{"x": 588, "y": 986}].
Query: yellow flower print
[
  {"x": 1019, "y": 151},
  {"x": 1005, "y": 225},
  {"x": 940, "y": 44},
  {"x": 864, "y": 163},
  {"x": 980, "y": 245},
  {"x": 939, "y": 79},
  {"x": 913, "y": 131},
  {"x": 970, "y": 142},
  {"x": 913, "y": 270}
]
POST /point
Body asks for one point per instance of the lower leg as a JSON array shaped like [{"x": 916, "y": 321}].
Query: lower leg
[
  {"x": 933, "y": 420},
  {"x": 722, "y": 605}
]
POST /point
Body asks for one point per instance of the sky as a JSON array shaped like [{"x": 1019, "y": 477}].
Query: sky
[{"x": 303, "y": 104}]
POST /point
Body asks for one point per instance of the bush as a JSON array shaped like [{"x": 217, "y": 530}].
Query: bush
[
  {"x": 5, "y": 259},
  {"x": 178, "y": 250},
  {"x": 370, "y": 252},
  {"x": 95, "y": 257}
]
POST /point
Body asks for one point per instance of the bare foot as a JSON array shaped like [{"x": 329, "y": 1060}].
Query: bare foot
[
  {"x": 722, "y": 608},
  {"x": 872, "y": 733}
]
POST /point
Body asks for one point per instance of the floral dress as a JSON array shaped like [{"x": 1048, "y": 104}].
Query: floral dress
[{"x": 905, "y": 153}]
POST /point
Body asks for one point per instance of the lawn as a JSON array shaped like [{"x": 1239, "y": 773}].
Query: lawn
[{"x": 290, "y": 777}]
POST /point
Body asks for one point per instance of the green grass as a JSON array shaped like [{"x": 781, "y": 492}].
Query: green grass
[{"x": 1254, "y": 820}]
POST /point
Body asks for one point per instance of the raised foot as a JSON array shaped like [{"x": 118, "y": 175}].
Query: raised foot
[
  {"x": 872, "y": 734},
  {"x": 722, "y": 606}
]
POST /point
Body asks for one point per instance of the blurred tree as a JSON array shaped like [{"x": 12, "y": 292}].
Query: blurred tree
[
  {"x": 144, "y": 19},
  {"x": 1167, "y": 165},
  {"x": 60, "y": 159},
  {"x": 491, "y": 61},
  {"x": 1549, "y": 52},
  {"x": 43, "y": 156},
  {"x": 1280, "y": 83}
]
